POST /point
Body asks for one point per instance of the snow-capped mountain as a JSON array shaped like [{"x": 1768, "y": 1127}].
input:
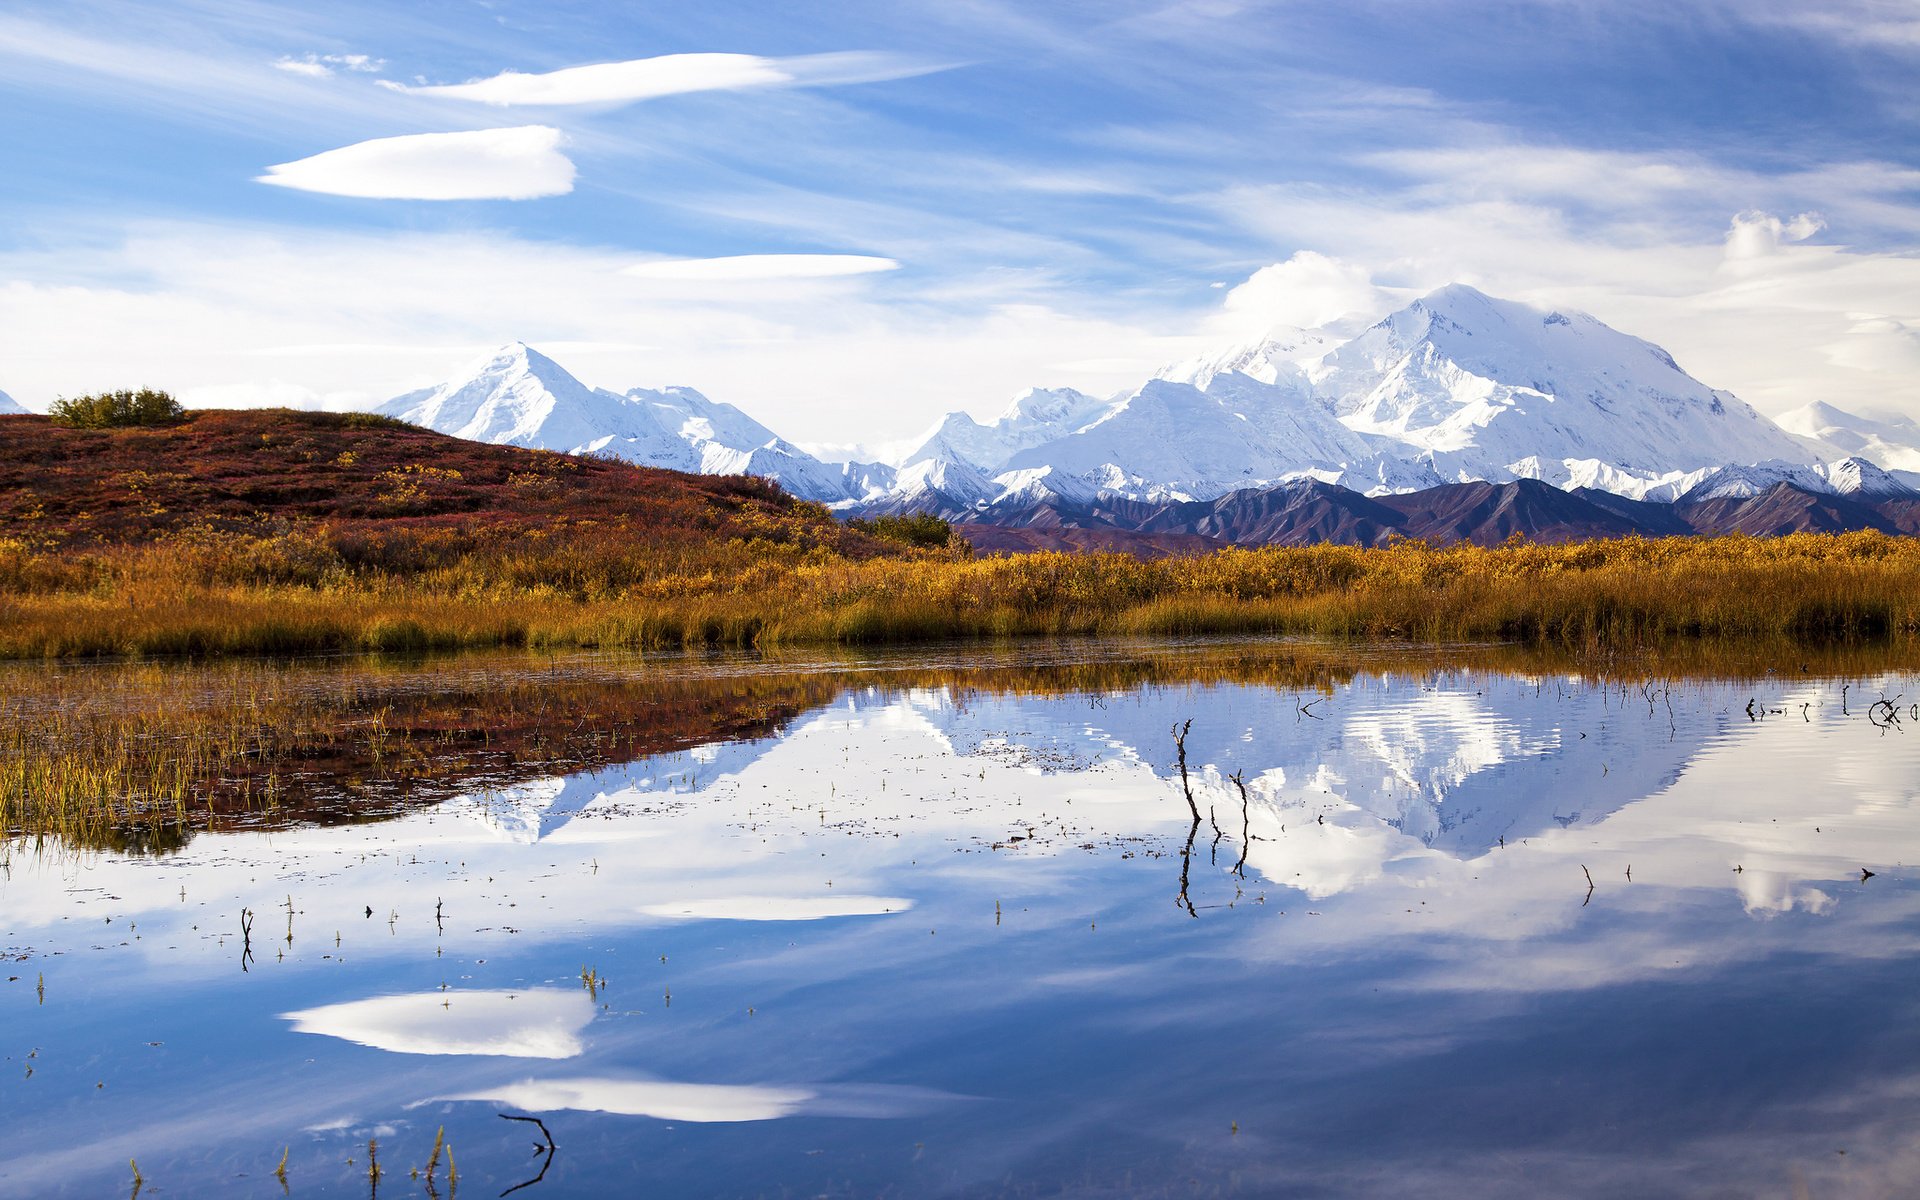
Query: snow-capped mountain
[
  {"x": 518, "y": 396},
  {"x": 9, "y": 405},
  {"x": 1856, "y": 476},
  {"x": 1481, "y": 384},
  {"x": 1848, "y": 477},
  {"x": 1835, "y": 433},
  {"x": 1456, "y": 387},
  {"x": 1036, "y": 416}
]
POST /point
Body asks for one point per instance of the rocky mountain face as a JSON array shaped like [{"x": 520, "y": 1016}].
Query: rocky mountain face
[{"x": 1486, "y": 514}]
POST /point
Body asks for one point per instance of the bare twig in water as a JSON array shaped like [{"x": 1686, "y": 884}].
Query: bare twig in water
[
  {"x": 1239, "y": 778},
  {"x": 1885, "y": 713},
  {"x": 1186, "y": 867},
  {"x": 1186, "y": 789},
  {"x": 1589, "y": 875},
  {"x": 1186, "y": 785},
  {"x": 546, "y": 1150}
]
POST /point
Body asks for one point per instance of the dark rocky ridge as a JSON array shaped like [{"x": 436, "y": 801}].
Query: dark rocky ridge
[{"x": 1308, "y": 512}]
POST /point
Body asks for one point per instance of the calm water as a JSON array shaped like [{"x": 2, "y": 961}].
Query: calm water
[{"x": 933, "y": 940}]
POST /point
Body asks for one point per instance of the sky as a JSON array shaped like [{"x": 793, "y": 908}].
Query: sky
[{"x": 848, "y": 219}]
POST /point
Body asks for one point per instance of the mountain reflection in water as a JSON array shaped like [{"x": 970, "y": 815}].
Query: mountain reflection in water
[{"x": 1478, "y": 925}]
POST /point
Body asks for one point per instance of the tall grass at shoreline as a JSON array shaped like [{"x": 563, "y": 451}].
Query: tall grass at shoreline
[{"x": 304, "y": 593}]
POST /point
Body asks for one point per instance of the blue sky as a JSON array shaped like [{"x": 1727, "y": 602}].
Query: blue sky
[{"x": 1063, "y": 193}]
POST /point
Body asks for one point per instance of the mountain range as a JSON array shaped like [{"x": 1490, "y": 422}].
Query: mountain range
[
  {"x": 9, "y": 406},
  {"x": 1438, "y": 412}
]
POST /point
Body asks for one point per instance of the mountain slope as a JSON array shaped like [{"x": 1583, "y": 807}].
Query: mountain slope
[
  {"x": 1489, "y": 513},
  {"x": 1482, "y": 384},
  {"x": 1781, "y": 509},
  {"x": 1174, "y": 441},
  {"x": 9, "y": 406}
]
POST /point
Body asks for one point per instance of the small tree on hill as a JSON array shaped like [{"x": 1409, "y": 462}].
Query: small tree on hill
[{"x": 112, "y": 410}]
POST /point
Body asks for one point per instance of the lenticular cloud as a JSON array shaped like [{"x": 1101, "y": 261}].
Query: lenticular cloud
[
  {"x": 520, "y": 163},
  {"x": 673, "y": 74}
]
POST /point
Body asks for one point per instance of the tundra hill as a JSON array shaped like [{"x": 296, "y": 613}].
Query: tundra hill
[{"x": 265, "y": 471}]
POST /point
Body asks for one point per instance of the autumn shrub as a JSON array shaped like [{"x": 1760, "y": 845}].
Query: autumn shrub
[{"x": 114, "y": 410}]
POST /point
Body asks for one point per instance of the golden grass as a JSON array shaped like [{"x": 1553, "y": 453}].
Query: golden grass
[{"x": 294, "y": 594}]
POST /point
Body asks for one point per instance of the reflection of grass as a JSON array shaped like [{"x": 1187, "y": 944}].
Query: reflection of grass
[{"x": 138, "y": 757}]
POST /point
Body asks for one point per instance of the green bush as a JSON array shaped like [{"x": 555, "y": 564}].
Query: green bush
[
  {"x": 914, "y": 529},
  {"x": 113, "y": 410}
]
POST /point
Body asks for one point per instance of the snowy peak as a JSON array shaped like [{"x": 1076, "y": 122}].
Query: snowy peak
[
  {"x": 1052, "y": 408},
  {"x": 9, "y": 406},
  {"x": 1035, "y": 417},
  {"x": 1282, "y": 354},
  {"x": 1847, "y": 477},
  {"x": 690, "y": 415},
  {"x": 1835, "y": 433},
  {"x": 1856, "y": 476},
  {"x": 1457, "y": 386},
  {"x": 944, "y": 482},
  {"x": 517, "y": 396},
  {"x": 1490, "y": 383},
  {"x": 1745, "y": 482}
]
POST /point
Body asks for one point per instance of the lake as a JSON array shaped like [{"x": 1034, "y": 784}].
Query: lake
[{"x": 1427, "y": 922}]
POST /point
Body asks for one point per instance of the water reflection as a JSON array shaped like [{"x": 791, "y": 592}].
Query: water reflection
[
  {"x": 647, "y": 1098},
  {"x": 1453, "y": 930},
  {"x": 535, "y": 1023}
]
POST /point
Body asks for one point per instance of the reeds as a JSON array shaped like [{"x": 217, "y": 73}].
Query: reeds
[{"x": 303, "y": 594}]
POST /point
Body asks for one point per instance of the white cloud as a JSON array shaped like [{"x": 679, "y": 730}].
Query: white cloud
[
  {"x": 320, "y": 66},
  {"x": 520, "y": 163},
  {"x": 673, "y": 74},
  {"x": 1879, "y": 344},
  {"x": 232, "y": 314},
  {"x": 1742, "y": 305},
  {"x": 1755, "y": 235},
  {"x": 738, "y": 267},
  {"x": 1307, "y": 291}
]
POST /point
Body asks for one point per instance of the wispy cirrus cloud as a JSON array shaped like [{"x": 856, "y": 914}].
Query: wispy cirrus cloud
[
  {"x": 320, "y": 66},
  {"x": 519, "y": 163},
  {"x": 741, "y": 267},
  {"x": 673, "y": 74}
]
